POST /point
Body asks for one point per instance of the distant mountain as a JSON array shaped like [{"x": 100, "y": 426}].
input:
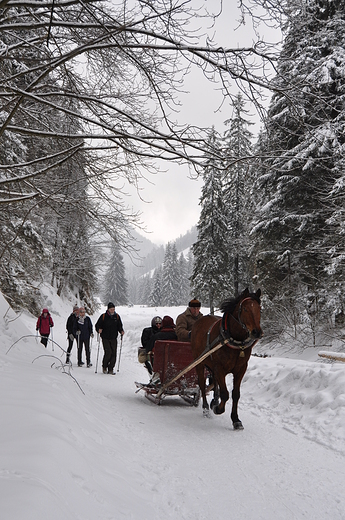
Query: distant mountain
[{"x": 148, "y": 256}]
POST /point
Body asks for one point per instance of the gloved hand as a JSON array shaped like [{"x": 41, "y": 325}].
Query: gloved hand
[
  {"x": 71, "y": 337},
  {"x": 78, "y": 332},
  {"x": 91, "y": 334}
]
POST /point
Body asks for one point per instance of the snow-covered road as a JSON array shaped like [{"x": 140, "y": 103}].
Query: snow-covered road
[{"x": 110, "y": 453}]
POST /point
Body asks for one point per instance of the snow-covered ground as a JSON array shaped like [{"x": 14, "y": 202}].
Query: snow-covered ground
[{"x": 91, "y": 448}]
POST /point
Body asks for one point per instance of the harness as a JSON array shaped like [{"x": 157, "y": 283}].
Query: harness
[{"x": 224, "y": 336}]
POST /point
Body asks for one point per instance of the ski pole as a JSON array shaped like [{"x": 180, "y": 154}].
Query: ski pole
[
  {"x": 118, "y": 366},
  {"x": 98, "y": 341},
  {"x": 78, "y": 339},
  {"x": 52, "y": 339}
]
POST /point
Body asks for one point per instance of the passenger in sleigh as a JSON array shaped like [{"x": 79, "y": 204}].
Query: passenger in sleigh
[
  {"x": 167, "y": 332},
  {"x": 186, "y": 320},
  {"x": 148, "y": 332}
]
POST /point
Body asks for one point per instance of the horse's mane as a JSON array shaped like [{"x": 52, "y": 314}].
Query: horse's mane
[{"x": 230, "y": 304}]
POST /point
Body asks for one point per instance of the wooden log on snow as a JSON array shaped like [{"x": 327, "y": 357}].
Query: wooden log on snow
[{"x": 335, "y": 356}]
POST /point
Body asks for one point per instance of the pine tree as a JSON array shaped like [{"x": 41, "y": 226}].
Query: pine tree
[
  {"x": 209, "y": 279},
  {"x": 115, "y": 282},
  {"x": 156, "y": 293},
  {"x": 299, "y": 230},
  {"x": 184, "y": 283},
  {"x": 170, "y": 277},
  {"x": 238, "y": 150}
]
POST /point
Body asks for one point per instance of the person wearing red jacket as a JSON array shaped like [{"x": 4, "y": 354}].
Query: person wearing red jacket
[{"x": 43, "y": 325}]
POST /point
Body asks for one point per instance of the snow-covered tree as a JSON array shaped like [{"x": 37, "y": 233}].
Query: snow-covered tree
[
  {"x": 210, "y": 277},
  {"x": 299, "y": 227},
  {"x": 170, "y": 276},
  {"x": 115, "y": 282},
  {"x": 156, "y": 293},
  {"x": 184, "y": 282},
  {"x": 237, "y": 186}
]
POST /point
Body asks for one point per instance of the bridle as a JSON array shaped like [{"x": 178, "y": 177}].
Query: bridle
[
  {"x": 224, "y": 336},
  {"x": 238, "y": 320}
]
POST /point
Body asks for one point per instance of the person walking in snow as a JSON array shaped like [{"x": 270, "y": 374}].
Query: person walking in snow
[
  {"x": 109, "y": 325},
  {"x": 186, "y": 320},
  {"x": 70, "y": 327},
  {"x": 148, "y": 332},
  {"x": 83, "y": 331},
  {"x": 43, "y": 325}
]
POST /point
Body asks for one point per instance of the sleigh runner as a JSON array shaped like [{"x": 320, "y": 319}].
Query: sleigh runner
[{"x": 170, "y": 359}]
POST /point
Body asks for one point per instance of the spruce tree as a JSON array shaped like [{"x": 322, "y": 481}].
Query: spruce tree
[
  {"x": 115, "y": 282},
  {"x": 237, "y": 186},
  {"x": 184, "y": 283},
  {"x": 298, "y": 229},
  {"x": 210, "y": 277},
  {"x": 156, "y": 293},
  {"x": 170, "y": 277}
]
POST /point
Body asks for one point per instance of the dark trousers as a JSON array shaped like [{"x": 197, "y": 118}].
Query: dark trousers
[
  {"x": 110, "y": 351},
  {"x": 44, "y": 339},
  {"x": 85, "y": 342},
  {"x": 69, "y": 349}
]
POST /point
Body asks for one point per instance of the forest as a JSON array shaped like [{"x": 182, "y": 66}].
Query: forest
[{"x": 88, "y": 93}]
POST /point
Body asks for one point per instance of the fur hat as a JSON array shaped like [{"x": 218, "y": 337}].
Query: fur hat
[
  {"x": 168, "y": 323},
  {"x": 194, "y": 303},
  {"x": 111, "y": 305}
]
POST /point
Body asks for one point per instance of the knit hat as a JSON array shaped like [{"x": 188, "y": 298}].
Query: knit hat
[
  {"x": 155, "y": 320},
  {"x": 194, "y": 303},
  {"x": 111, "y": 305},
  {"x": 168, "y": 323},
  {"x": 75, "y": 308}
]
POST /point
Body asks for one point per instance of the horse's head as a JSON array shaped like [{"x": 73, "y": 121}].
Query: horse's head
[
  {"x": 245, "y": 312},
  {"x": 249, "y": 313}
]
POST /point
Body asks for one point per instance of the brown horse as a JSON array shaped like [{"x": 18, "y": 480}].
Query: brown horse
[{"x": 238, "y": 331}]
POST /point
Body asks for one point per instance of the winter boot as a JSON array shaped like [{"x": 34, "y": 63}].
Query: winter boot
[
  {"x": 149, "y": 367},
  {"x": 155, "y": 379}
]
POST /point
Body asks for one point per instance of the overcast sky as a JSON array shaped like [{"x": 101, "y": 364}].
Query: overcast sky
[{"x": 172, "y": 206}]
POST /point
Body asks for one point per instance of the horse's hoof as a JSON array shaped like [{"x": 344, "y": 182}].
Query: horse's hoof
[
  {"x": 218, "y": 411},
  {"x": 214, "y": 403},
  {"x": 238, "y": 425},
  {"x": 206, "y": 413}
]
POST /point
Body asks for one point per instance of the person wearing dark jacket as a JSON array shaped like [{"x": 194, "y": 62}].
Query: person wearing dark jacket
[
  {"x": 83, "y": 330},
  {"x": 43, "y": 325},
  {"x": 70, "y": 327},
  {"x": 109, "y": 325},
  {"x": 167, "y": 332},
  {"x": 148, "y": 332}
]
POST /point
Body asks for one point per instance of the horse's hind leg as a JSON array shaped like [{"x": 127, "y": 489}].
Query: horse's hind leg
[
  {"x": 215, "y": 400},
  {"x": 202, "y": 383}
]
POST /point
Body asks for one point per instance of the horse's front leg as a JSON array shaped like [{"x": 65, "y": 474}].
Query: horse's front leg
[
  {"x": 238, "y": 376},
  {"x": 223, "y": 394}
]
